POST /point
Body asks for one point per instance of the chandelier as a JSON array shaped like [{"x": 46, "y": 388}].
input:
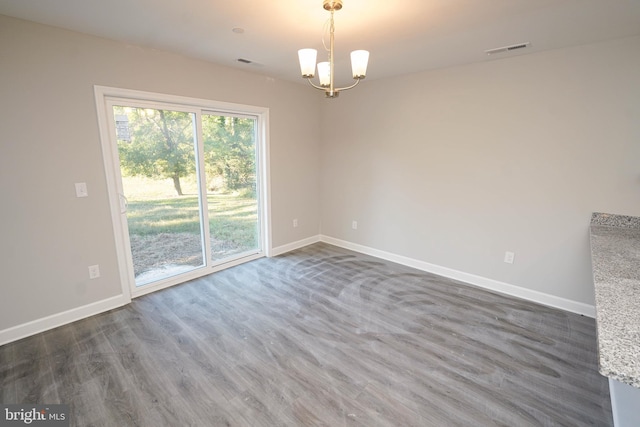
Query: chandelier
[{"x": 307, "y": 57}]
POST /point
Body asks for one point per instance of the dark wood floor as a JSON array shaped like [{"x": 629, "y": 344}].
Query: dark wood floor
[{"x": 319, "y": 336}]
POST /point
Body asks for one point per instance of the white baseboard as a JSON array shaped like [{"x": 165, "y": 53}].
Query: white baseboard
[
  {"x": 36, "y": 326},
  {"x": 472, "y": 279},
  {"x": 295, "y": 245}
]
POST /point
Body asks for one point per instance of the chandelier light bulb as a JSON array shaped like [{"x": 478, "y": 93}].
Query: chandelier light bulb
[
  {"x": 324, "y": 73},
  {"x": 307, "y": 59},
  {"x": 359, "y": 61}
]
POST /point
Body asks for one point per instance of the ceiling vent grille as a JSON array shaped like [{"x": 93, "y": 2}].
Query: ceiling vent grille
[
  {"x": 247, "y": 62},
  {"x": 507, "y": 48}
]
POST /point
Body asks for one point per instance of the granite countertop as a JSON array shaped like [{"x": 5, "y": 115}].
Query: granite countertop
[{"x": 615, "y": 256}]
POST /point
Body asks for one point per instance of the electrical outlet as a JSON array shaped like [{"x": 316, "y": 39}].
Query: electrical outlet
[
  {"x": 295, "y": 223},
  {"x": 94, "y": 271},
  {"x": 354, "y": 225},
  {"x": 508, "y": 257},
  {"x": 81, "y": 189}
]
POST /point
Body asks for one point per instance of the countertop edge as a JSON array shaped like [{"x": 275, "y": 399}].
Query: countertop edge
[{"x": 615, "y": 245}]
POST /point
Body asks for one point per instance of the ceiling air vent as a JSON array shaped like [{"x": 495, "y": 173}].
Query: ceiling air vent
[
  {"x": 507, "y": 48},
  {"x": 246, "y": 61}
]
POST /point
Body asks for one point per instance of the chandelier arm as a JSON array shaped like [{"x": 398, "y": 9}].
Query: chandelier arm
[
  {"x": 315, "y": 85},
  {"x": 348, "y": 87}
]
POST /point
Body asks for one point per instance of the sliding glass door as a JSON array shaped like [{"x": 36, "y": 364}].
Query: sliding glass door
[{"x": 189, "y": 188}]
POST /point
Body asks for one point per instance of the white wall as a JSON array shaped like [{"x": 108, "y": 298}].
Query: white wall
[
  {"x": 49, "y": 140},
  {"x": 456, "y": 166}
]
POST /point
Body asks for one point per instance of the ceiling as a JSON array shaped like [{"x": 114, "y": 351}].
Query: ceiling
[{"x": 403, "y": 36}]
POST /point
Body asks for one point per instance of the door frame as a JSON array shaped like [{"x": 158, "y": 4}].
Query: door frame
[{"x": 111, "y": 161}]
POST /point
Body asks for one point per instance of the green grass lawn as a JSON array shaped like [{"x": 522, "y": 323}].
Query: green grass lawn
[{"x": 154, "y": 208}]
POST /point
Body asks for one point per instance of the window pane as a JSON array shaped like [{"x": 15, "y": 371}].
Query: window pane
[
  {"x": 230, "y": 167},
  {"x": 158, "y": 168}
]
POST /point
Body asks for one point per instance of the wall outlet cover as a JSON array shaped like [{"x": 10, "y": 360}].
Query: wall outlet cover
[
  {"x": 509, "y": 257},
  {"x": 94, "y": 271}
]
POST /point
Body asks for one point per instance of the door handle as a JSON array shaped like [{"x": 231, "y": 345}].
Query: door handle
[{"x": 124, "y": 203}]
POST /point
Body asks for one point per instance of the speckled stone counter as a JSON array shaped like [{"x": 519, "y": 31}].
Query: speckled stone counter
[{"x": 615, "y": 255}]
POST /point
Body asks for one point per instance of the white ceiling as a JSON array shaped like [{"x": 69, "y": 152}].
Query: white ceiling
[{"x": 403, "y": 36}]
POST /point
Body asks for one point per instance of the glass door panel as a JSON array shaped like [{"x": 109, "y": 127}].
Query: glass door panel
[
  {"x": 230, "y": 154},
  {"x": 158, "y": 164}
]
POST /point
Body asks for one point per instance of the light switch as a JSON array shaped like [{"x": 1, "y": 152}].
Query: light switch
[{"x": 81, "y": 189}]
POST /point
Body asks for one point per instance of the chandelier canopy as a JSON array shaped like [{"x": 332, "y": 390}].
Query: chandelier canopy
[{"x": 307, "y": 57}]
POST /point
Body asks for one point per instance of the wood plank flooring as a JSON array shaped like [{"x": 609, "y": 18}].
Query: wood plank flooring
[{"x": 320, "y": 336}]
